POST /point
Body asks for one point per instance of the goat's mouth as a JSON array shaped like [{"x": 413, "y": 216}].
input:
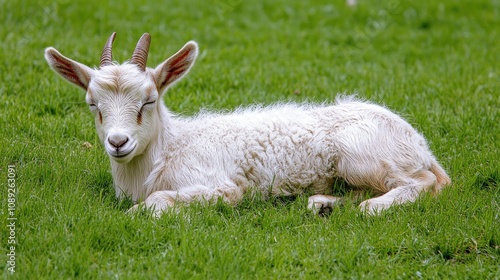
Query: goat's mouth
[{"x": 120, "y": 154}]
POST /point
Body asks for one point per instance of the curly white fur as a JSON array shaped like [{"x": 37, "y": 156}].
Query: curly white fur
[{"x": 285, "y": 149}]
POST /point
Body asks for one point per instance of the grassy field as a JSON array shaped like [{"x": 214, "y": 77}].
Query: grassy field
[{"x": 434, "y": 62}]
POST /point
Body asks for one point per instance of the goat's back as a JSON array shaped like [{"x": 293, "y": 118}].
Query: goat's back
[{"x": 290, "y": 147}]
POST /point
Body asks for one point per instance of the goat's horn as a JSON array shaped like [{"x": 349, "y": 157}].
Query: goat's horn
[
  {"x": 107, "y": 53},
  {"x": 140, "y": 56}
]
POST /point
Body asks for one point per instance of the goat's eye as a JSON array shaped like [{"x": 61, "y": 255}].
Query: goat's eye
[
  {"x": 148, "y": 103},
  {"x": 95, "y": 109}
]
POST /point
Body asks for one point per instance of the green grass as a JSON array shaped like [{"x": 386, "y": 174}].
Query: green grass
[{"x": 435, "y": 62}]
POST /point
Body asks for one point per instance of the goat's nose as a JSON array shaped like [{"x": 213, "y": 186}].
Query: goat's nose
[{"x": 117, "y": 140}]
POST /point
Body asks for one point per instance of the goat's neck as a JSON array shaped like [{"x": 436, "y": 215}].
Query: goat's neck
[{"x": 129, "y": 177}]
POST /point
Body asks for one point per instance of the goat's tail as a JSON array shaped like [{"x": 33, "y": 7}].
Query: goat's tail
[{"x": 442, "y": 179}]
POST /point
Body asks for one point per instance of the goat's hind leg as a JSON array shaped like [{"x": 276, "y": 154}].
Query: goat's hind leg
[{"x": 408, "y": 190}]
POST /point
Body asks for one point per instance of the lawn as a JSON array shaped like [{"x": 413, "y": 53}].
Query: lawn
[{"x": 434, "y": 62}]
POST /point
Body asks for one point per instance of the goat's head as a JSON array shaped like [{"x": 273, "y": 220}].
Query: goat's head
[{"x": 126, "y": 98}]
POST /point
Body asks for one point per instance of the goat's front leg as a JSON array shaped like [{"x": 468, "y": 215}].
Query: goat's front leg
[
  {"x": 321, "y": 204},
  {"x": 161, "y": 201}
]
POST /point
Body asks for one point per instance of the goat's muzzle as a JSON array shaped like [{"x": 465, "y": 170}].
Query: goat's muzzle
[{"x": 119, "y": 146}]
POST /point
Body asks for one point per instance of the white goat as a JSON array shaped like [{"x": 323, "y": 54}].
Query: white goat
[{"x": 162, "y": 159}]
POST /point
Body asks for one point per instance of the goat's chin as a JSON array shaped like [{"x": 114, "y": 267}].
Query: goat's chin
[{"x": 121, "y": 159}]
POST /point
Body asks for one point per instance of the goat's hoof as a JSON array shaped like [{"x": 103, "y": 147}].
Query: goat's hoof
[
  {"x": 322, "y": 204},
  {"x": 133, "y": 210}
]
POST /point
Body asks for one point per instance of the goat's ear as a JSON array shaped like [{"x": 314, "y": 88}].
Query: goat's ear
[
  {"x": 174, "y": 68},
  {"x": 70, "y": 70}
]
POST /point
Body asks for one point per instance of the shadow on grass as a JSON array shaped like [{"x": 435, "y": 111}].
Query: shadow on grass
[
  {"x": 102, "y": 186},
  {"x": 488, "y": 181}
]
